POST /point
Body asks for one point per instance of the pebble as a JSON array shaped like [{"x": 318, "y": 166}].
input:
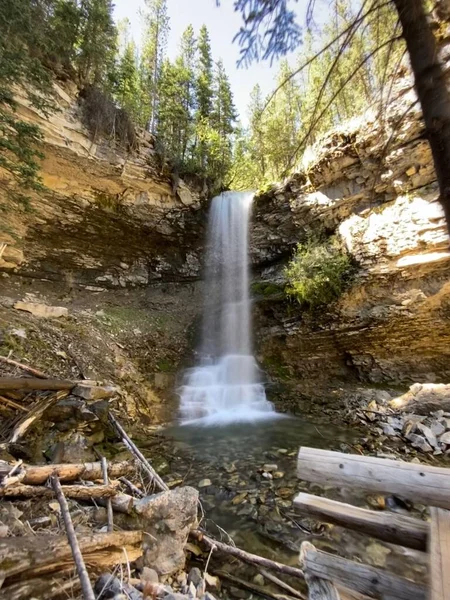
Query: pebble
[
  {"x": 204, "y": 483},
  {"x": 259, "y": 579},
  {"x": 269, "y": 468},
  {"x": 278, "y": 475},
  {"x": 195, "y": 576}
]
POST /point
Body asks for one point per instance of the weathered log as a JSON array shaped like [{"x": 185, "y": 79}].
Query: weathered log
[
  {"x": 421, "y": 483},
  {"x": 252, "y": 559},
  {"x": 23, "y": 558},
  {"x": 81, "y": 492},
  {"x": 86, "y": 587},
  {"x": 32, "y": 383},
  {"x": 14, "y": 363},
  {"x": 38, "y": 474},
  {"x": 137, "y": 453},
  {"x": 318, "y": 588},
  {"x": 41, "y": 588},
  {"x": 34, "y": 414},
  {"x": 370, "y": 581},
  {"x": 440, "y": 554},
  {"x": 389, "y": 527}
]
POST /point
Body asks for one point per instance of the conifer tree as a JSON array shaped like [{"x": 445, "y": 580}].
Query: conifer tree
[{"x": 204, "y": 82}]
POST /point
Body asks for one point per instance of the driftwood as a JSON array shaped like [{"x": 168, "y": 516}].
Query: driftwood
[
  {"x": 34, "y": 414},
  {"x": 259, "y": 590},
  {"x": 252, "y": 559},
  {"x": 32, "y": 383},
  {"x": 396, "y": 529},
  {"x": 81, "y": 492},
  {"x": 109, "y": 509},
  {"x": 370, "y": 581},
  {"x": 35, "y": 372},
  {"x": 440, "y": 554},
  {"x": 421, "y": 483},
  {"x": 137, "y": 453},
  {"x": 318, "y": 588},
  {"x": 41, "y": 588},
  {"x": 26, "y": 557},
  {"x": 86, "y": 587},
  {"x": 90, "y": 471}
]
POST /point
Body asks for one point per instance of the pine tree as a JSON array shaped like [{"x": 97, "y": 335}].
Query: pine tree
[
  {"x": 156, "y": 29},
  {"x": 204, "y": 83},
  {"x": 187, "y": 57},
  {"x": 223, "y": 117},
  {"x": 97, "y": 42},
  {"x": 23, "y": 45}
]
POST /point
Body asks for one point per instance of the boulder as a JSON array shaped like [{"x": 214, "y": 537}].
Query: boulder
[
  {"x": 167, "y": 518},
  {"x": 42, "y": 310}
]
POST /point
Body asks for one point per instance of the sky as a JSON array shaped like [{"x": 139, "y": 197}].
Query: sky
[{"x": 223, "y": 23}]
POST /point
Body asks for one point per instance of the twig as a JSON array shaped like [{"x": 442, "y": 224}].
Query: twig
[
  {"x": 12, "y": 404},
  {"x": 109, "y": 509},
  {"x": 252, "y": 559},
  {"x": 135, "y": 490},
  {"x": 137, "y": 453},
  {"x": 208, "y": 559},
  {"x": 284, "y": 586},
  {"x": 86, "y": 586},
  {"x": 35, "y": 413},
  {"x": 256, "y": 589},
  {"x": 14, "y": 363}
]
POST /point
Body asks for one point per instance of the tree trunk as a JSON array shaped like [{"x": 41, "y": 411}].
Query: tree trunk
[{"x": 431, "y": 89}]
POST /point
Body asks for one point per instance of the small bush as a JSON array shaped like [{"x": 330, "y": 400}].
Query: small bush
[{"x": 318, "y": 273}]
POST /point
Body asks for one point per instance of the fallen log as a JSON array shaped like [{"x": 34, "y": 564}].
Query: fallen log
[
  {"x": 34, "y": 414},
  {"x": 32, "y": 383},
  {"x": 14, "y": 363},
  {"x": 372, "y": 582},
  {"x": 252, "y": 559},
  {"x": 26, "y": 557},
  {"x": 86, "y": 587},
  {"x": 39, "y": 474},
  {"x": 318, "y": 588},
  {"x": 41, "y": 588},
  {"x": 137, "y": 453},
  {"x": 109, "y": 509},
  {"x": 421, "y": 483},
  {"x": 81, "y": 492},
  {"x": 389, "y": 527},
  {"x": 440, "y": 554}
]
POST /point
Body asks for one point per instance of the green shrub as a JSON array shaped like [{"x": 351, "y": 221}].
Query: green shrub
[{"x": 318, "y": 273}]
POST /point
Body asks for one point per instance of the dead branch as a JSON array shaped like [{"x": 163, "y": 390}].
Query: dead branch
[
  {"x": 14, "y": 363},
  {"x": 81, "y": 492},
  {"x": 34, "y": 414},
  {"x": 133, "y": 489},
  {"x": 32, "y": 383},
  {"x": 259, "y": 590},
  {"x": 108, "y": 501},
  {"x": 284, "y": 586},
  {"x": 137, "y": 453},
  {"x": 13, "y": 404},
  {"x": 252, "y": 559},
  {"x": 86, "y": 586}
]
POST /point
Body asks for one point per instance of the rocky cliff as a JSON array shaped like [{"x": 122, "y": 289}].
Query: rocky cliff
[
  {"x": 372, "y": 184},
  {"x": 108, "y": 217}
]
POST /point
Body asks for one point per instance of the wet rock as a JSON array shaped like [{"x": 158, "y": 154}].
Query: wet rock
[
  {"x": 376, "y": 554},
  {"x": 259, "y": 579},
  {"x": 418, "y": 441},
  {"x": 204, "y": 483},
  {"x": 270, "y": 468},
  {"x": 212, "y": 581},
  {"x": 94, "y": 392},
  {"x": 278, "y": 475},
  {"x": 195, "y": 576},
  {"x": 239, "y": 498}
]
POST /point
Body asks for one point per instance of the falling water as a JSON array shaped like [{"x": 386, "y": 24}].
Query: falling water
[{"x": 225, "y": 387}]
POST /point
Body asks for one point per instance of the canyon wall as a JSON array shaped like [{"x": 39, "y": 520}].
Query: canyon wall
[{"x": 372, "y": 184}]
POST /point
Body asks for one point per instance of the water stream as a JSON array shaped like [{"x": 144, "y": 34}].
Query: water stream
[{"x": 226, "y": 386}]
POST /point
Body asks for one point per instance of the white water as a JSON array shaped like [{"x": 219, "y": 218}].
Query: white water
[{"x": 226, "y": 387}]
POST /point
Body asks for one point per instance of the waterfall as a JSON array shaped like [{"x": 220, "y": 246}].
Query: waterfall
[{"x": 225, "y": 387}]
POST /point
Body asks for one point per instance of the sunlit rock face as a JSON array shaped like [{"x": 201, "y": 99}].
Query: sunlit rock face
[
  {"x": 393, "y": 325},
  {"x": 108, "y": 217}
]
